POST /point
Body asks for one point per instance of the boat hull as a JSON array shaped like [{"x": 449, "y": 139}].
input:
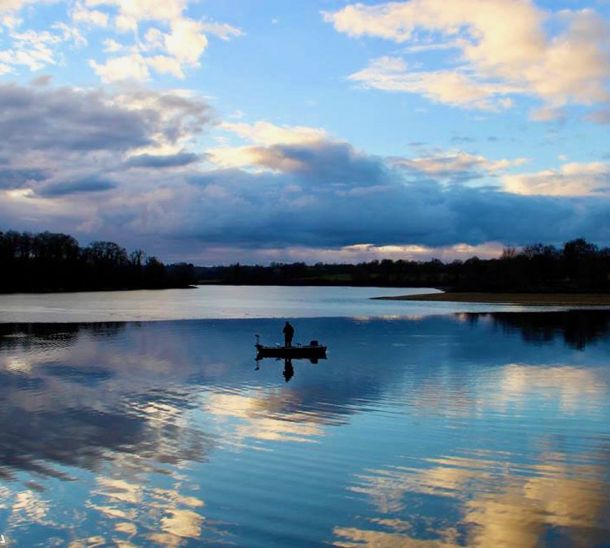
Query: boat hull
[{"x": 291, "y": 352}]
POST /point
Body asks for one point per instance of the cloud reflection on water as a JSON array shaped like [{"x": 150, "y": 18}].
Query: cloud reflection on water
[
  {"x": 511, "y": 504},
  {"x": 133, "y": 421}
]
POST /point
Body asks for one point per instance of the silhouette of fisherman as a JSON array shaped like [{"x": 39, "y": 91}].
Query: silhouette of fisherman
[
  {"x": 288, "y": 334},
  {"x": 288, "y": 369}
]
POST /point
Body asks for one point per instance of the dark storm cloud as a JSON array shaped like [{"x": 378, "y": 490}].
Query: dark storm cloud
[
  {"x": 377, "y": 203},
  {"x": 16, "y": 178},
  {"x": 319, "y": 194},
  {"x": 69, "y": 119},
  {"x": 63, "y": 141},
  {"x": 157, "y": 161},
  {"x": 63, "y": 118},
  {"x": 327, "y": 162},
  {"x": 78, "y": 186}
]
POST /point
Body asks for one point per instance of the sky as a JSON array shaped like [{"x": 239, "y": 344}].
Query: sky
[{"x": 217, "y": 131}]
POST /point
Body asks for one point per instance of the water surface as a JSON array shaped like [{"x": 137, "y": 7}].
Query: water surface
[
  {"x": 217, "y": 301},
  {"x": 465, "y": 429}
]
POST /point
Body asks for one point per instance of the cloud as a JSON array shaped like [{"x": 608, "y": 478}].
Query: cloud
[
  {"x": 600, "y": 116},
  {"x": 15, "y": 178},
  {"x": 369, "y": 252},
  {"x": 161, "y": 161},
  {"x": 130, "y": 14},
  {"x": 329, "y": 195},
  {"x": 126, "y": 67},
  {"x": 571, "y": 179},
  {"x": 312, "y": 152},
  {"x": 261, "y": 136},
  {"x": 13, "y": 5},
  {"x": 82, "y": 14},
  {"x": 266, "y": 133},
  {"x": 503, "y": 49},
  {"x": 162, "y": 64},
  {"x": 186, "y": 41},
  {"x": 327, "y": 163},
  {"x": 172, "y": 43},
  {"x": 71, "y": 119},
  {"x": 547, "y": 114},
  {"x": 298, "y": 149},
  {"x": 60, "y": 141},
  {"x": 34, "y": 49},
  {"x": 443, "y": 86},
  {"x": 65, "y": 118},
  {"x": 88, "y": 184},
  {"x": 456, "y": 166},
  {"x": 222, "y": 30},
  {"x": 289, "y": 187}
]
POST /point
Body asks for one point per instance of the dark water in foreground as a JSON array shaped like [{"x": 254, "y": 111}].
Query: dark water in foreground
[{"x": 487, "y": 430}]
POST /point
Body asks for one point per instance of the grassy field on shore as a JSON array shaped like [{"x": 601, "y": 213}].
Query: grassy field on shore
[{"x": 532, "y": 299}]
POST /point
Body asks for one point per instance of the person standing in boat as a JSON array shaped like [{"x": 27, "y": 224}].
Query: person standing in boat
[{"x": 288, "y": 334}]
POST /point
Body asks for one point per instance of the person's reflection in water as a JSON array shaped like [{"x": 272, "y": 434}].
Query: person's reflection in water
[{"x": 288, "y": 369}]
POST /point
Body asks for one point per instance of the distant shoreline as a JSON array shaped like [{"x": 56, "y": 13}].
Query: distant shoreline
[
  {"x": 94, "y": 290},
  {"x": 526, "y": 299}
]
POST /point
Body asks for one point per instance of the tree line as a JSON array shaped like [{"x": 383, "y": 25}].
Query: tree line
[
  {"x": 56, "y": 262},
  {"x": 577, "y": 266}
]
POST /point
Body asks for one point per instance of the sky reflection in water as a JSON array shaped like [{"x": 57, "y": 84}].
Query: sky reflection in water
[{"x": 479, "y": 429}]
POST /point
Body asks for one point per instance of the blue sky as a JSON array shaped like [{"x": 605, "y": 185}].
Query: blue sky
[{"x": 217, "y": 131}]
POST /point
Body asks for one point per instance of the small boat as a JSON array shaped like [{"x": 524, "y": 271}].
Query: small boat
[{"x": 313, "y": 351}]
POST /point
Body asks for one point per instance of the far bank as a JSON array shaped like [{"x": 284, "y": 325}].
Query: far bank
[{"x": 526, "y": 299}]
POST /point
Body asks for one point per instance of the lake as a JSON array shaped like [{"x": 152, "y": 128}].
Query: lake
[
  {"x": 217, "y": 301},
  {"x": 426, "y": 426}
]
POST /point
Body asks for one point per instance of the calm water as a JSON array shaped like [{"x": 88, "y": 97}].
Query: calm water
[
  {"x": 212, "y": 302},
  {"x": 462, "y": 429}
]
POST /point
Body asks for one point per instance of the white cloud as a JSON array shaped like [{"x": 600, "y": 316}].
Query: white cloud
[
  {"x": 503, "y": 45},
  {"x": 222, "y": 30},
  {"x": 457, "y": 164},
  {"x": 571, "y": 179},
  {"x": 186, "y": 41},
  {"x": 267, "y": 134},
  {"x": 32, "y": 49},
  {"x": 112, "y": 46},
  {"x": 81, "y": 14},
  {"x": 172, "y": 43},
  {"x": 10, "y": 21},
  {"x": 132, "y": 12},
  {"x": 13, "y": 5},
  {"x": 289, "y": 149},
  {"x": 126, "y": 67},
  {"x": 370, "y": 252},
  {"x": 164, "y": 64},
  {"x": 444, "y": 86},
  {"x": 260, "y": 136}
]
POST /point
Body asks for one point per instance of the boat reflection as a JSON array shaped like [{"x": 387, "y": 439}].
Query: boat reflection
[{"x": 288, "y": 371}]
